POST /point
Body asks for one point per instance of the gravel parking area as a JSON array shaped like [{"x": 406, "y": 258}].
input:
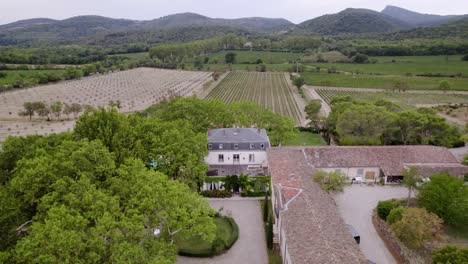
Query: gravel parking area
[
  {"x": 250, "y": 248},
  {"x": 356, "y": 204}
]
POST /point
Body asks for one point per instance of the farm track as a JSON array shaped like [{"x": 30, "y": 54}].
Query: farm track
[
  {"x": 374, "y": 90},
  {"x": 270, "y": 90},
  {"x": 136, "y": 90}
]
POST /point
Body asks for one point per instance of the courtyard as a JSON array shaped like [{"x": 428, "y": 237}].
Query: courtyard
[
  {"x": 250, "y": 248},
  {"x": 356, "y": 204}
]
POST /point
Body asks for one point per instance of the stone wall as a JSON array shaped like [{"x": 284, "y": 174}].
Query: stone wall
[{"x": 384, "y": 231}]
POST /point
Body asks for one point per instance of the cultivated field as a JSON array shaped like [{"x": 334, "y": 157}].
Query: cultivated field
[
  {"x": 405, "y": 65},
  {"x": 135, "y": 89},
  {"x": 382, "y": 81},
  {"x": 407, "y": 99},
  {"x": 271, "y": 90},
  {"x": 250, "y": 57}
]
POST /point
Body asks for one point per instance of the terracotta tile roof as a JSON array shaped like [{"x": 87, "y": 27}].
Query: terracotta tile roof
[
  {"x": 315, "y": 232},
  {"x": 390, "y": 159}
]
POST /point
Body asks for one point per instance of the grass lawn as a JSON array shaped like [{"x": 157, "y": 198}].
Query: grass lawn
[
  {"x": 306, "y": 139},
  {"x": 406, "y": 100},
  {"x": 197, "y": 246},
  {"x": 405, "y": 65},
  {"x": 382, "y": 81}
]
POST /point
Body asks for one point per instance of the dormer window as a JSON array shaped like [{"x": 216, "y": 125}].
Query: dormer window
[
  {"x": 236, "y": 146},
  {"x": 220, "y": 146},
  {"x": 251, "y": 146},
  {"x": 210, "y": 146},
  {"x": 262, "y": 146}
]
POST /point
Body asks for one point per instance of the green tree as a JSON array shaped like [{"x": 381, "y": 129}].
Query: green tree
[
  {"x": 363, "y": 124},
  {"x": 416, "y": 227},
  {"x": 312, "y": 111},
  {"x": 447, "y": 197},
  {"x": 360, "y": 58},
  {"x": 299, "y": 82},
  {"x": 42, "y": 110},
  {"x": 28, "y": 110},
  {"x": 450, "y": 255},
  {"x": 465, "y": 57},
  {"x": 410, "y": 181},
  {"x": 331, "y": 181},
  {"x": 56, "y": 108},
  {"x": 230, "y": 58},
  {"x": 395, "y": 215},
  {"x": 444, "y": 86}
]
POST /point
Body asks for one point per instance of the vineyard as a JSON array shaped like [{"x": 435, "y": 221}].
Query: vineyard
[
  {"x": 407, "y": 100},
  {"x": 135, "y": 90},
  {"x": 270, "y": 90}
]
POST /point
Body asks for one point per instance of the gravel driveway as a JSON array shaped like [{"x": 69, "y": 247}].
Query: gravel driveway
[
  {"x": 356, "y": 204},
  {"x": 250, "y": 248}
]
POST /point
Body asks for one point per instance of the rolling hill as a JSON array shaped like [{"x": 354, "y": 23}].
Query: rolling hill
[
  {"x": 98, "y": 30},
  {"x": 417, "y": 19},
  {"x": 352, "y": 21}
]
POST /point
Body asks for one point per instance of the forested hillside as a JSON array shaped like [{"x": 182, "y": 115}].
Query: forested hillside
[{"x": 353, "y": 21}]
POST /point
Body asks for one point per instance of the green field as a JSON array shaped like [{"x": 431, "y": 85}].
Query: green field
[
  {"x": 406, "y": 100},
  {"x": 133, "y": 56},
  {"x": 248, "y": 57},
  {"x": 306, "y": 139},
  {"x": 27, "y": 76},
  {"x": 241, "y": 67},
  {"x": 268, "y": 89},
  {"x": 381, "y": 81},
  {"x": 446, "y": 65}
]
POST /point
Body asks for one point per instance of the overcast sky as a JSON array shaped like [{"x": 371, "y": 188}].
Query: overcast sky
[{"x": 293, "y": 10}]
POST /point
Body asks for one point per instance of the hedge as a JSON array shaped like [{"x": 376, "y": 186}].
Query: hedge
[
  {"x": 216, "y": 193},
  {"x": 384, "y": 208},
  {"x": 218, "y": 246}
]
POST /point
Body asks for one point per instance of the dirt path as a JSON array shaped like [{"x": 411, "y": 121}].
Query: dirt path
[
  {"x": 388, "y": 90},
  {"x": 326, "y": 109},
  {"x": 301, "y": 102}
]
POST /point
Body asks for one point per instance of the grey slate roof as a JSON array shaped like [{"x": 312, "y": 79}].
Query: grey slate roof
[{"x": 237, "y": 135}]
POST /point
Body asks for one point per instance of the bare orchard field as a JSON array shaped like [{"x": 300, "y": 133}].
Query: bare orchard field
[{"x": 135, "y": 89}]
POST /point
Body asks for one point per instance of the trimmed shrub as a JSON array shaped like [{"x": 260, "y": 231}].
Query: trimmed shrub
[
  {"x": 254, "y": 194},
  {"x": 234, "y": 235},
  {"x": 395, "y": 215},
  {"x": 384, "y": 208},
  {"x": 450, "y": 254},
  {"x": 216, "y": 193}
]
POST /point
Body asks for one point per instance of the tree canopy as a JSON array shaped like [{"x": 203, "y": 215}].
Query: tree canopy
[
  {"x": 384, "y": 123},
  {"x": 92, "y": 196}
]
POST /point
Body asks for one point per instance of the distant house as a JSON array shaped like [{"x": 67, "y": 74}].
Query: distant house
[{"x": 385, "y": 163}]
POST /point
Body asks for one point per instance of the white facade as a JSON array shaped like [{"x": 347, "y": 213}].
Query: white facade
[
  {"x": 367, "y": 174},
  {"x": 241, "y": 157}
]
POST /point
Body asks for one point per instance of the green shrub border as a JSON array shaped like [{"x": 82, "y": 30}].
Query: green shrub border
[{"x": 210, "y": 253}]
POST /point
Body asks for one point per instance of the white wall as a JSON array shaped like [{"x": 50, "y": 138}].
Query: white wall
[
  {"x": 260, "y": 157},
  {"x": 353, "y": 172}
]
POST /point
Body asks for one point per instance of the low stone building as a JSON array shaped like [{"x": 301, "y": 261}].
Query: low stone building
[{"x": 308, "y": 227}]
